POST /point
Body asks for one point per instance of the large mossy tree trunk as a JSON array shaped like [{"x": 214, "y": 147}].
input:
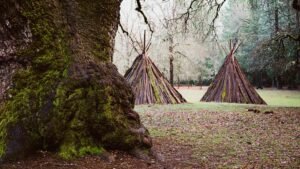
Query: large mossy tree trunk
[{"x": 59, "y": 90}]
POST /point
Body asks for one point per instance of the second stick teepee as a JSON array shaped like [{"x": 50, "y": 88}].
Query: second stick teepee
[{"x": 231, "y": 85}]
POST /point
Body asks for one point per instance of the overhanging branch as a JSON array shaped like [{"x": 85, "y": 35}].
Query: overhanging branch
[
  {"x": 212, "y": 24},
  {"x": 139, "y": 9},
  {"x": 128, "y": 35}
]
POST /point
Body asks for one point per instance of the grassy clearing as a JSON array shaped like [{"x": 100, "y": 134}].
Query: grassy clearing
[
  {"x": 283, "y": 98},
  {"x": 276, "y": 99},
  {"x": 273, "y": 97},
  {"x": 222, "y": 135}
]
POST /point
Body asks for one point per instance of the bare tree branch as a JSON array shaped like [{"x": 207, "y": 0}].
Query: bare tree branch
[
  {"x": 212, "y": 24},
  {"x": 196, "y": 6},
  {"x": 139, "y": 9},
  {"x": 133, "y": 42},
  {"x": 187, "y": 14},
  {"x": 285, "y": 35}
]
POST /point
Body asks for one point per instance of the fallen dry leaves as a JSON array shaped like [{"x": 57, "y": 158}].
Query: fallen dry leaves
[
  {"x": 229, "y": 139},
  {"x": 204, "y": 139}
]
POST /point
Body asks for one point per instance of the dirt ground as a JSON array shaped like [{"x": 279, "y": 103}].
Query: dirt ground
[
  {"x": 174, "y": 156},
  {"x": 186, "y": 140}
]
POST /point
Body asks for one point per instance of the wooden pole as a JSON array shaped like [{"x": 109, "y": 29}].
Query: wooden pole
[{"x": 144, "y": 50}]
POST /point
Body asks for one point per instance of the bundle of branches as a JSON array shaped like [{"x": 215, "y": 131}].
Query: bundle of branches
[
  {"x": 230, "y": 84},
  {"x": 149, "y": 85}
]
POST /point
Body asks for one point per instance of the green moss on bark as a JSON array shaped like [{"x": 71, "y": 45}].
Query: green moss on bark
[
  {"x": 69, "y": 99},
  {"x": 34, "y": 84}
]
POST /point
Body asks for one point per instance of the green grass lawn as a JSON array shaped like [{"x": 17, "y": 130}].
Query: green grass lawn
[
  {"x": 283, "y": 98},
  {"x": 276, "y": 99},
  {"x": 273, "y": 97}
]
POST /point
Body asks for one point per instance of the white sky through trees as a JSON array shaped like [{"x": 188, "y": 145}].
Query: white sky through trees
[{"x": 188, "y": 67}]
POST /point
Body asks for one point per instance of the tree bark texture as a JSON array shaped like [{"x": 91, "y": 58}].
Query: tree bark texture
[
  {"x": 171, "y": 71},
  {"x": 171, "y": 59},
  {"x": 59, "y": 90}
]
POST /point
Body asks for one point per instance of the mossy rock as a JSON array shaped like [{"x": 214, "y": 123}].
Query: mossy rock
[{"x": 67, "y": 97}]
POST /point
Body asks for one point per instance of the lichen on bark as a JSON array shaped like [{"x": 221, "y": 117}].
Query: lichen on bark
[{"x": 66, "y": 96}]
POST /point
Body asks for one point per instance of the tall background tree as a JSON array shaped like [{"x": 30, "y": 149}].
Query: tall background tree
[
  {"x": 270, "y": 43},
  {"x": 177, "y": 43},
  {"x": 268, "y": 31}
]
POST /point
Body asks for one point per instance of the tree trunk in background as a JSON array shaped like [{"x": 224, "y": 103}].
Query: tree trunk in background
[
  {"x": 298, "y": 21},
  {"x": 171, "y": 59},
  {"x": 296, "y": 5},
  {"x": 273, "y": 82},
  {"x": 276, "y": 29},
  {"x": 278, "y": 82},
  {"x": 276, "y": 23},
  {"x": 259, "y": 79},
  {"x": 58, "y": 88},
  {"x": 171, "y": 71},
  {"x": 298, "y": 50}
]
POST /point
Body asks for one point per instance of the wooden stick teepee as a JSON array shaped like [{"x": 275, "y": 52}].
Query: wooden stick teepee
[
  {"x": 148, "y": 83},
  {"x": 230, "y": 84}
]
